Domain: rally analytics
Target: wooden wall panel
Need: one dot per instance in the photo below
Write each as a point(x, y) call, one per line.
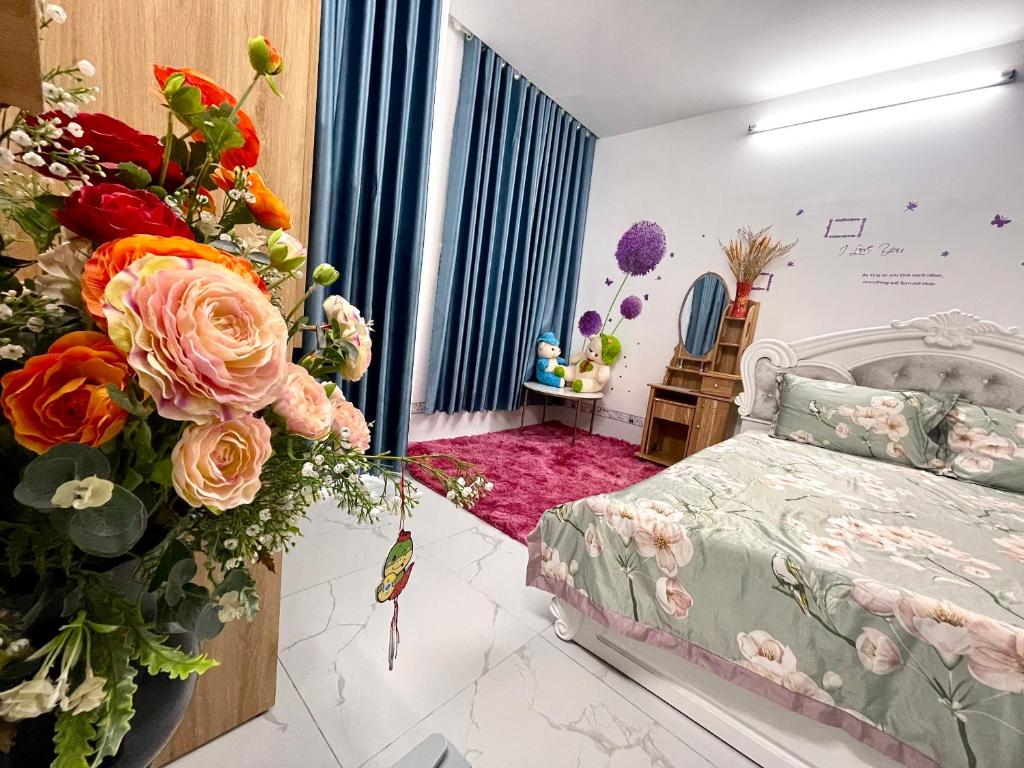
point(19, 75)
point(124, 38)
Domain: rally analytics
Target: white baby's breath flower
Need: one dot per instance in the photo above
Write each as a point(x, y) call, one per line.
point(86, 67)
point(75, 130)
point(252, 531)
point(35, 324)
point(264, 515)
point(488, 487)
point(20, 138)
point(450, 495)
point(233, 562)
point(50, 91)
point(55, 13)
point(69, 108)
point(6, 157)
point(461, 481)
point(230, 544)
point(6, 312)
point(12, 352)
point(31, 158)
point(59, 170)
point(308, 470)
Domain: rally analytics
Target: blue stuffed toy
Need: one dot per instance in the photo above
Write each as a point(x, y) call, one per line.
point(548, 360)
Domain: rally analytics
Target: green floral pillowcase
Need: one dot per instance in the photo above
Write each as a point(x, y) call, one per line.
point(876, 423)
point(986, 446)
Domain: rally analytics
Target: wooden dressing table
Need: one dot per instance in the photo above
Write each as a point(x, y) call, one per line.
point(692, 408)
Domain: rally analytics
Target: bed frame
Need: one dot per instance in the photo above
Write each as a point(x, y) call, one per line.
point(950, 351)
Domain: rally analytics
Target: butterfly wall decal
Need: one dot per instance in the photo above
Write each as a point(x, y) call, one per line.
point(1000, 221)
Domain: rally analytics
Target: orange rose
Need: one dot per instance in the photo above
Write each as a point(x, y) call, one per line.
point(61, 396)
point(110, 258)
point(268, 209)
point(213, 95)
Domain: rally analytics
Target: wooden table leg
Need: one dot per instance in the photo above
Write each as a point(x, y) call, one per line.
point(576, 421)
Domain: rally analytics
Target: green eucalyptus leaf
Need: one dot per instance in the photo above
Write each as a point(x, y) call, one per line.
point(181, 573)
point(174, 552)
point(234, 580)
point(198, 614)
point(110, 530)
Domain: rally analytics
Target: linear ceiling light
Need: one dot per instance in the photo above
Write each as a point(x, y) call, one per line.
point(911, 95)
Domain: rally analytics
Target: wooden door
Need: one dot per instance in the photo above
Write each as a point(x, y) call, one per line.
point(711, 421)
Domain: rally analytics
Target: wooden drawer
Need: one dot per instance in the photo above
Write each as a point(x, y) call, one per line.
point(671, 411)
point(722, 386)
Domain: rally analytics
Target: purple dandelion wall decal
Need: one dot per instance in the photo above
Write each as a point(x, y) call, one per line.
point(1000, 221)
point(911, 206)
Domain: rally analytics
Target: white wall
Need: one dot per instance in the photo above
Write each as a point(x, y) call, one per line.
point(961, 159)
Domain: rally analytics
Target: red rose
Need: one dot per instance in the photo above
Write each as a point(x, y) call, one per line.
point(114, 142)
point(104, 212)
point(213, 95)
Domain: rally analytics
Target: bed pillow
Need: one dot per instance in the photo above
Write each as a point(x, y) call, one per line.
point(986, 445)
point(877, 423)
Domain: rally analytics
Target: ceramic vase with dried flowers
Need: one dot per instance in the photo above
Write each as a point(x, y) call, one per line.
point(749, 253)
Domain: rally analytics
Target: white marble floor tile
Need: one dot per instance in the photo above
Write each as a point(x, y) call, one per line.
point(335, 640)
point(533, 709)
point(496, 565)
point(705, 743)
point(335, 543)
point(284, 736)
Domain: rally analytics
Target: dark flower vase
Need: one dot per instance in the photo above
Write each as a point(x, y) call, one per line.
point(160, 705)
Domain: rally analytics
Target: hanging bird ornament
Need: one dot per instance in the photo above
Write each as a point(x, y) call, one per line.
point(394, 577)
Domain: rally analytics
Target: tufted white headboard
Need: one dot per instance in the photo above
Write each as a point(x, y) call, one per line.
point(949, 351)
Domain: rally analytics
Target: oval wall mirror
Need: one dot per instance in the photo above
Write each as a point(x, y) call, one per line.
point(701, 314)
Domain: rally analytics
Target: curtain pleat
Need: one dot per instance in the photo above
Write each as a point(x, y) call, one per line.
point(518, 185)
point(706, 305)
point(374, 114)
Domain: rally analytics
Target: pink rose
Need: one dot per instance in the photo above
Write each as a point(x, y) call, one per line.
point(303, 404)
point(218, 465)
point(874, 597)
point(206, 343)
point(354, 330)
point(996, 657)
point(877, 652)
point(673, 597)
point(347, 416)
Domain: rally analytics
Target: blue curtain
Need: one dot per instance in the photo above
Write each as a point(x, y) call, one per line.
point(374, 112)
point(706, 307)
point(513, 236)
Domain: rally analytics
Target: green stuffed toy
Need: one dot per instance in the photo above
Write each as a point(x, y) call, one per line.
point(591, 367)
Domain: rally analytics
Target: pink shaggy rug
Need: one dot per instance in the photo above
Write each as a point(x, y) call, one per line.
point(538, 469)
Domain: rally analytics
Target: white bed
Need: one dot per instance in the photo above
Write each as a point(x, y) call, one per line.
point(946, 351)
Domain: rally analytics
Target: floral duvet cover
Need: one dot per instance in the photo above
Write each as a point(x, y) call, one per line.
point(874, 597)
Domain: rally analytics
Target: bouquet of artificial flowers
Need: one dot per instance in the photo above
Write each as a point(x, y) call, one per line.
point(152, 415)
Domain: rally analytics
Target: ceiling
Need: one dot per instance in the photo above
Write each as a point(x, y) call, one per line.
point(622, 65)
